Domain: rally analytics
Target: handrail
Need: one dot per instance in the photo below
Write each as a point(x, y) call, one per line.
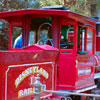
point(38, 86)
point(72, 93)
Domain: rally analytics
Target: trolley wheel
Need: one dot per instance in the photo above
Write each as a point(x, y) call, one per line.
point(66, 98)
point(76, 97)
point(63, 98)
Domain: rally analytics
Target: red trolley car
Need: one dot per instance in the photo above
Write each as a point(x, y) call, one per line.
point(57, 44)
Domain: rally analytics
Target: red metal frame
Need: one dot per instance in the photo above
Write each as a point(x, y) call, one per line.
point(81, 40)
point(94, 41)
point(85, 40)
point(56, 22)
point(10, 36)
point(25, 30)
point(75, 38)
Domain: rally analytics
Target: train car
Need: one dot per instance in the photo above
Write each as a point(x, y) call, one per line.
point(59, 45)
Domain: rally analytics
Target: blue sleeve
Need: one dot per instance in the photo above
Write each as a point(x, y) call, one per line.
point(18, 43)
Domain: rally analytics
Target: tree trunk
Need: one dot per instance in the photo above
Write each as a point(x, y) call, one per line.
point(65, 2)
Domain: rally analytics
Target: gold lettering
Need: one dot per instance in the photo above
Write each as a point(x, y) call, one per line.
point(29, 71)
point(25, 92)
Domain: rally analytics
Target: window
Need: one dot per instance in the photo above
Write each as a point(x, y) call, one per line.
point(17, 37)
point(89, 40)
point(40, 31)
point(66, 39)
point(86, 40)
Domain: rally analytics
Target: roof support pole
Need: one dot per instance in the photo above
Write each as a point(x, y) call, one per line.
point(25, 30)
point(85, 40)
point(10, 36)
point(94, 41)
point(75, 38)
point(56, 27)
point(81, 40)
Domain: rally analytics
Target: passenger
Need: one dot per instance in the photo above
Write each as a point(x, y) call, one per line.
point(18, 42)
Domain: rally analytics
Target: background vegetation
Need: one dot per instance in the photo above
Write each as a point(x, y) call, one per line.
point(86, 7)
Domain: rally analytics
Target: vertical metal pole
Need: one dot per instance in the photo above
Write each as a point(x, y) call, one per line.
point(10, 36)
point(37, 86)
point(37, 96)
point(85, 40)
point(56, 27)
point(25, 30)
point(81, 40)
point(94, 41)
point(75, 38)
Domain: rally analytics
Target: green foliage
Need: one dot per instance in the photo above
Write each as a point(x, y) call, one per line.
point(79, 6)
point(19, 4)
point(51, 2)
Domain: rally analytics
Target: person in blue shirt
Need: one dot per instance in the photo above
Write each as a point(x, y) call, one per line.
point(18, 42)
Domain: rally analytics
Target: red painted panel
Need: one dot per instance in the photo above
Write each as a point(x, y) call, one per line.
point(18, 83)
point(17, 67)
point(85, 70)
point(75, 73)
point(66, 73)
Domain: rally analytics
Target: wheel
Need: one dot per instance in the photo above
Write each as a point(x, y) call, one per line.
point(66, 98)
point(75, 97)
point(63, 98)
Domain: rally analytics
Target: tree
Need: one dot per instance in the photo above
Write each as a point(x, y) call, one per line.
point(79, 6)
point(6, 5)
point(19, 4)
